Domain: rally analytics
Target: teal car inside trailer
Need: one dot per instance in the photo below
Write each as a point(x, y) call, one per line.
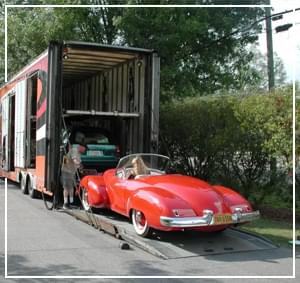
point(100, 149)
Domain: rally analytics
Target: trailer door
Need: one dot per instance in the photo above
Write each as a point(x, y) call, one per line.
point(20, 124)
point(53, 124)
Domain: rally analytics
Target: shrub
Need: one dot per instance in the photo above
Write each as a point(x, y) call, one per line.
point(232, 140)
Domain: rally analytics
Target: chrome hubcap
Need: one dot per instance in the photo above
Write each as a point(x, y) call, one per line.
point(84, 199)
point(140, 219)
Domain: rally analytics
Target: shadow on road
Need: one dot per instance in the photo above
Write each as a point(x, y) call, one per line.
point(19, 266)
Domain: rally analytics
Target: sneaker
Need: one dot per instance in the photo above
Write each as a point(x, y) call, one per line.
point(66, 206)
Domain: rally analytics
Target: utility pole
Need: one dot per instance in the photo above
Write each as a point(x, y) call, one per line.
point(271, 80)
point(271, 77)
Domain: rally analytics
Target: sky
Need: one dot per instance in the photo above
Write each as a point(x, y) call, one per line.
point(286, 44)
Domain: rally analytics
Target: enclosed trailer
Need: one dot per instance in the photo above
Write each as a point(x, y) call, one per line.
point(76, 83)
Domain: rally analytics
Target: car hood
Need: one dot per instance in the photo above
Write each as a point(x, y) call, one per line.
point(197, 193)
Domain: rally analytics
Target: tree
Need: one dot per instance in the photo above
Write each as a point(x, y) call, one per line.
point(89, 24)
point(260, 65)
point(202, 49)
point(30, 29)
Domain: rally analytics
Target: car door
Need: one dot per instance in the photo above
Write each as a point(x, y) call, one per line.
point(116, 189)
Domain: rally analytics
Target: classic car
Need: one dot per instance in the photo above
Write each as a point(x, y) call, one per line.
point(154, 199)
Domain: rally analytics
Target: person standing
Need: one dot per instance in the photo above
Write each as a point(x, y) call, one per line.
point(71, 162)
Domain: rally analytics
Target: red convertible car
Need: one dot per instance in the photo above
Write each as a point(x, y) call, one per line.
point(140, 189)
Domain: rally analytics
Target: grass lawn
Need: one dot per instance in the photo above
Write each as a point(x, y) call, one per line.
point(278, 232)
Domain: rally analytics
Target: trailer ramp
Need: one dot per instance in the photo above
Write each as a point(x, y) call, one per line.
point(181, 244)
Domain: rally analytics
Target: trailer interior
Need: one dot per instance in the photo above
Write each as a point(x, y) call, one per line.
point(109, 88)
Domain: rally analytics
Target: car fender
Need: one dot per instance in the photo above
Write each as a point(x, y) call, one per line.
point(233, 199)
point(96, 189)
point(154, 203)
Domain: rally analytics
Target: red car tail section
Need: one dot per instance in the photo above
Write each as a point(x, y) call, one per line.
point(197, 193)
point(232, 198)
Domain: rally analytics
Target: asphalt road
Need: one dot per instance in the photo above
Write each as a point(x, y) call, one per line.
point(51, 243)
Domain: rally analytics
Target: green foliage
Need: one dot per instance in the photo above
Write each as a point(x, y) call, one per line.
point(232, 139)
point(31, 29)
point(25, 45)
point(297, 141)
point(268, 120)
point(260, 65)
point(202, 49)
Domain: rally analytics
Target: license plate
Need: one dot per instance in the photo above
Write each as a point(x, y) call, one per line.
point(222, 219)
point(95, 153)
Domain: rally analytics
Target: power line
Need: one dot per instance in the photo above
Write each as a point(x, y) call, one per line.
point(242, 31)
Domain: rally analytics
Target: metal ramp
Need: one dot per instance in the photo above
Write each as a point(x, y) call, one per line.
point(173, 245)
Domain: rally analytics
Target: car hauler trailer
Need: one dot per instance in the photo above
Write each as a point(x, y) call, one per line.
point(116, 88)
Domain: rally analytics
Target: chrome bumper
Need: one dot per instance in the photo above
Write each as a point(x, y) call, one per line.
point(240, 217)
point(207, 219)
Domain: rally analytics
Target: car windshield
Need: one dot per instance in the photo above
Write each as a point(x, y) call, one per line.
point(96, 138)
point(154, 164)
point(90, 137)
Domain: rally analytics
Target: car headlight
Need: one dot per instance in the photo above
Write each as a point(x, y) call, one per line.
point(183, 212)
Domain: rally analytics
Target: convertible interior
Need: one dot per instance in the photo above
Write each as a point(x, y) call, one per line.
point(125, 173)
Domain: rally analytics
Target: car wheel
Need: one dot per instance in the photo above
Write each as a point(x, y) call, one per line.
point(84, 199)
point(140, 223)
point(23, 186)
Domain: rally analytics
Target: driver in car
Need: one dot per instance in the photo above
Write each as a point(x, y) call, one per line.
point(139, 168)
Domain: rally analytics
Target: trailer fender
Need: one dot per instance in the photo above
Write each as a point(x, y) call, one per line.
point(96, 190)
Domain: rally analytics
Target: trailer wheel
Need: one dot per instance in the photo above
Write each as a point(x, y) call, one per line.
point(32, 192)
point(23, 185)
point(140, 223)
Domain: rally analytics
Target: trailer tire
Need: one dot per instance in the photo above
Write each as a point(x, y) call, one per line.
point(31, 191)
point(23, 185)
